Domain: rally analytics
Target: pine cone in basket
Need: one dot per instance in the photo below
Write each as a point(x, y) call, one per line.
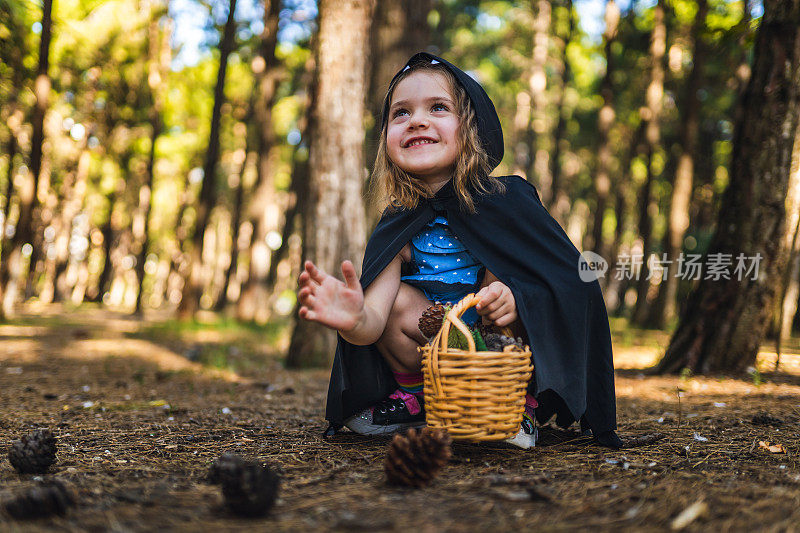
point(415, 458)
point(34, 453)
point(249, 488)
point(431, 320)
point(43, 499)
point(495, 342)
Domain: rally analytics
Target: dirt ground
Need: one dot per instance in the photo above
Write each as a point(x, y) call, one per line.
point(141, 409)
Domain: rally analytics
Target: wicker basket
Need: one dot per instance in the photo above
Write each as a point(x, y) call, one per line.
point(475, 396)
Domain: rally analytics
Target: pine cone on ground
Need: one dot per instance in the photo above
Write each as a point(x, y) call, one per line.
point(250, 489)
point(224, 468)
point(34, 453)
point(44, 499)
point(495, 342)
point(431, 320)
point(415, 458)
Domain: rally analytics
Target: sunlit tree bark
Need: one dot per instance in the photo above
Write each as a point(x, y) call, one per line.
point(334, 221)
point(785, 305)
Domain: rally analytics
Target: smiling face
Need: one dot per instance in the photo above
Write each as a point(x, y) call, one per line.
point(422, 131)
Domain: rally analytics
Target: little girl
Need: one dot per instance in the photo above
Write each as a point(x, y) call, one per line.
point(451, 229)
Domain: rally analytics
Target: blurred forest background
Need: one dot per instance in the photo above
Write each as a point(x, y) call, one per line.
point(184, 155)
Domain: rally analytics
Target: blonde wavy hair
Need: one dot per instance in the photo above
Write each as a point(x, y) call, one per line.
point(394, 186)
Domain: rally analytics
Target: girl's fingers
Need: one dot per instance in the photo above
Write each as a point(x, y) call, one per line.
point(305, 290)
point(306, 314)
point(304, 280)
point(501, 312)
point(308, 300)
point(304, 294)
point(505, 320)
point(350, 276)
point(488, 304)
point(317, 274)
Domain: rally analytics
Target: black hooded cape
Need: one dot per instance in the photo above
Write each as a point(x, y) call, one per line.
point(513, 236)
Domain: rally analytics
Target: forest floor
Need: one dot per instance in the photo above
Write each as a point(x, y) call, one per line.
point(142, 408)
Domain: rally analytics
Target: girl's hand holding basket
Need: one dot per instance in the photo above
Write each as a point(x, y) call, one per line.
point(497, 305)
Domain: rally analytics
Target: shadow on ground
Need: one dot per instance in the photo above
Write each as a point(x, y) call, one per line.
point(139, 422)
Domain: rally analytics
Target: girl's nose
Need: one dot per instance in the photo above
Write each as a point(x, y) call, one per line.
point(418, 119)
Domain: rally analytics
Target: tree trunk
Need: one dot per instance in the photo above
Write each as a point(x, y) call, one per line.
point(334, 221)
point(11, 271)
point(299, 189)
point(72, 197)
point(605, 120)
point(561, 204)
point(664, 311)
point(193, 288)
point(157, 65)
point(261, 210)
point(109, 234)
point(786, 298)
point(11, 150)
point(236, 222)
point(724, 322)
point(537, 85)
point(615, 285)
point(652, 115)
point(300, 178)
point(399, 30)
point(743, 71)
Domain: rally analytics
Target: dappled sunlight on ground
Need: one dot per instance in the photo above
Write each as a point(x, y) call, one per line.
point(141, 409)
point(636, 357)
point(142, 350)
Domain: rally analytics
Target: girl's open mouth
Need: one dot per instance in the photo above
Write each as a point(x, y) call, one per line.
point(419, 144)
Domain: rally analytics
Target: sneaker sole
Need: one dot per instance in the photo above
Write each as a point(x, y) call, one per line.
point(362, 427)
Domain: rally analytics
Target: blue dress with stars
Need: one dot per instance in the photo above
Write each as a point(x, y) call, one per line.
point(442, 267)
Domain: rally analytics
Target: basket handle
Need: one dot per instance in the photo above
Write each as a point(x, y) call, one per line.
point(454, 317)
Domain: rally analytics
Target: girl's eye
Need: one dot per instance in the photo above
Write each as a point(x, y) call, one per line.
point(435, 107)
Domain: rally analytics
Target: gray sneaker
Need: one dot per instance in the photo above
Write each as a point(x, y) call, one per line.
point(398, 412)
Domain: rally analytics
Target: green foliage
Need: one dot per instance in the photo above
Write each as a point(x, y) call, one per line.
point(99, 68)
point(456, 339)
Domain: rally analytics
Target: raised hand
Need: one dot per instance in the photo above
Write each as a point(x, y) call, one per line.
point(327, 300)
point(497, 305)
